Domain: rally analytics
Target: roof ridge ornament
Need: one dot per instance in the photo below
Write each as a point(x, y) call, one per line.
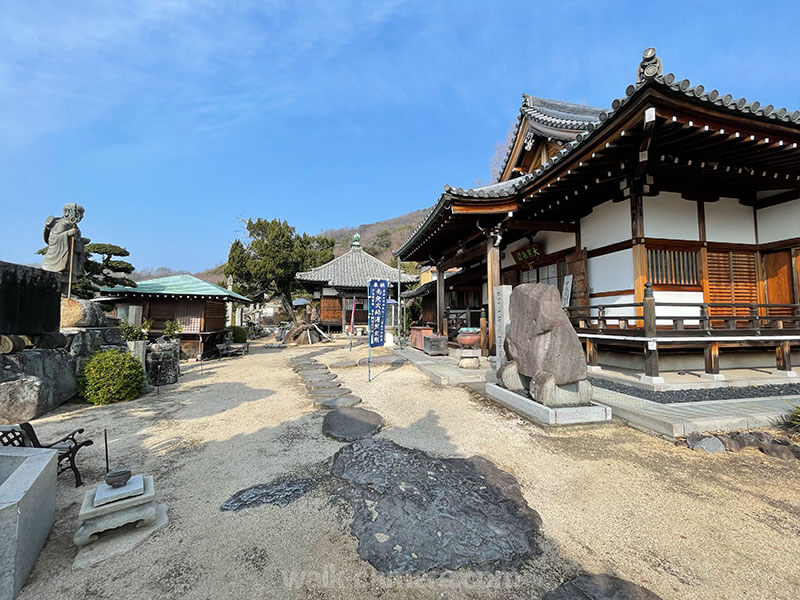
point(356, 241)
point(650, 66)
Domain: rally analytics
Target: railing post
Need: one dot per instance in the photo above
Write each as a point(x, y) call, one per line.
point(446, 321)
point(601, 318)
point(706, 322)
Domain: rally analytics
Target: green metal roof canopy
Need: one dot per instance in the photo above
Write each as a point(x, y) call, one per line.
point(177, 286)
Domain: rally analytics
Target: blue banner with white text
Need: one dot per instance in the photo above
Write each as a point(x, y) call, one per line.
point(378, 293)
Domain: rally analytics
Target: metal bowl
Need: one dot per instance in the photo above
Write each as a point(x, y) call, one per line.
point(118, 477)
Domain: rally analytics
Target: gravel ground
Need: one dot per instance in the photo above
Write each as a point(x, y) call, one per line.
point(612, 500)
point(698, 395)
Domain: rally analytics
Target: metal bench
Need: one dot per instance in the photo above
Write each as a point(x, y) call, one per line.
point(23, 435)
point(229, 350)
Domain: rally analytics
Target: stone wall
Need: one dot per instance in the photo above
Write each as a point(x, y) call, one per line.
point(163, 364)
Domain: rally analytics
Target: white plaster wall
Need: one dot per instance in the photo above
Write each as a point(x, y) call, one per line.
point(508, 258)
point(670, 216)
point(729, 221)
point(779, 222)
point(611, 272)
point(677, 311)
point(555, 241)
point(609, 223)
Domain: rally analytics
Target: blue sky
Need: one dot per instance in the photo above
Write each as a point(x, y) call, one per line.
point(170, 120)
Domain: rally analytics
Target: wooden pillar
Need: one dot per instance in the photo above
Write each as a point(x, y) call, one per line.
point(712, 358)
point(651, 349)
point(783, 353)
point(440, 291)
point(492, 281)
point(344, 313)
point(591, 353)
point(639, 251)
point(484, 334)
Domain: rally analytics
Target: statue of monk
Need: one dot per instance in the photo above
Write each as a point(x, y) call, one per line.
point(59, 233)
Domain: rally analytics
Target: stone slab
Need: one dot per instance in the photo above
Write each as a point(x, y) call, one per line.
point(27, 511)
point(90, 511)
point(338, 401)
point(459, 353)
point(599, 587)
point(322, 385)
point(568, 415)
point(105, 493)
point(351, 424)
point(119, 541)
point(316, 377)
point(329, 392)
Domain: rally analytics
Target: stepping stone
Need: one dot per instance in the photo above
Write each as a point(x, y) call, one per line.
point(280, 492)
point(317, 377)
point(299, 360)
point(384, 360)
point(338, 402)
point(314, 373)
point(318, 385)
point(351, 424)
point(344, 364)
point(329, 392)
point(308, 367)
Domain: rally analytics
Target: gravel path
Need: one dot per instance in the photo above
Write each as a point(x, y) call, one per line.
point(612, 500)
point(698, 395)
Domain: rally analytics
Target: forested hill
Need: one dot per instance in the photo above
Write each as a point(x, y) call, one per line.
point(379, 239)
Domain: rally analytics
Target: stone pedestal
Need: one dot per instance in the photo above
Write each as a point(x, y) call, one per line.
point(93, 520)
point(468, 358)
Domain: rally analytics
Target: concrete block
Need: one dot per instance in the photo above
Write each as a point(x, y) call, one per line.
point(571, 415)
point(27, 512)
point(713, 376)
point(647, 379)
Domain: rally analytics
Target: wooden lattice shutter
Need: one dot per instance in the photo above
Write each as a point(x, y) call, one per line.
point(732, 278)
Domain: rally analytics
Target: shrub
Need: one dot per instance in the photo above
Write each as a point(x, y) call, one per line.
point(131, 333)
point(792, 420)
point(172, 329)
point(111, 376)
point(239, 334)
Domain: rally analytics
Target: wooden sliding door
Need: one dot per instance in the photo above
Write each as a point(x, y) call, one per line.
point(732, 278)
point(779, 281)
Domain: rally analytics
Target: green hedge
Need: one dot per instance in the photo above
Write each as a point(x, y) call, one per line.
point(239, 334)
point(111, 376)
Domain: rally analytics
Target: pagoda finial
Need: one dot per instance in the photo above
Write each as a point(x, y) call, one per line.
point(356, 241)
point(650, 66)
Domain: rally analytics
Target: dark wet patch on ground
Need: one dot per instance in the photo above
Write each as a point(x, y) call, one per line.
point(280, 492)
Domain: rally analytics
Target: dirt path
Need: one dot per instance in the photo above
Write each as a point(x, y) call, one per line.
point(612, 500)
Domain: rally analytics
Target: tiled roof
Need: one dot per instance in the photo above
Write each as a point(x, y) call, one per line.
point(651, 77)
point(494, 190)
point(552, 118)
point(177, 285)
point(353, 269)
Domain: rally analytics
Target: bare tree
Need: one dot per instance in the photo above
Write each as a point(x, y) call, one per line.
point(500, 149)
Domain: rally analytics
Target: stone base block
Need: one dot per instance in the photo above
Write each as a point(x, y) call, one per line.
point(93, 520)
point(788, 374)
point(27, 511)
point(713, 376)
point(544, 415)
point(544, 390)
point(459, 353)
point(512, 379)
point(469, 363)
point(119, 541)
point(651, 380)
point(594, 368)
